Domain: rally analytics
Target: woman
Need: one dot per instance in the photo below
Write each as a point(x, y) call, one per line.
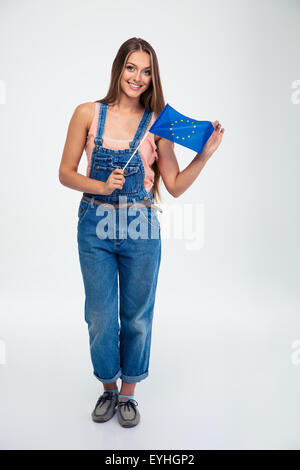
point(120, 272)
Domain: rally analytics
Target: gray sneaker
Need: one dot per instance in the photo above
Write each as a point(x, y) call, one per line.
point(105, 407)
point(128, 414)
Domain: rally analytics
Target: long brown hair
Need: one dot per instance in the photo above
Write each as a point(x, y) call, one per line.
point(152, 99)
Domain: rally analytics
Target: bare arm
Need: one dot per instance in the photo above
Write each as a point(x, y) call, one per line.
point(177, 182)
point(72, 153)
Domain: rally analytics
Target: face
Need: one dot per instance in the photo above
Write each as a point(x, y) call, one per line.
point(137, 72)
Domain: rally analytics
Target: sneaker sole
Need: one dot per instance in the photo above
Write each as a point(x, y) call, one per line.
point(128, 425)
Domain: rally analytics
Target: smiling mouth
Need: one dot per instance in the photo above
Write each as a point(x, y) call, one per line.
point(136, 87)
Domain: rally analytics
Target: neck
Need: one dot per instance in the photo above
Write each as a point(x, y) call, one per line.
point(127, 105)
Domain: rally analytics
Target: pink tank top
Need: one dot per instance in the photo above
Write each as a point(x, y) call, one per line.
point(147, 148)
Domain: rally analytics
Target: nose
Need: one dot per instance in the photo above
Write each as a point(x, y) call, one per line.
point(137, 78)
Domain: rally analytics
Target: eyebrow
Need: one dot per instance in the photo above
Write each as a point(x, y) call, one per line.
point(135, 65)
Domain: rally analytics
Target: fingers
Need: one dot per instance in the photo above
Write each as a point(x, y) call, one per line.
point(218, 128)
point(118, 182)
point(118, 173)
point(118, 170)
point(117, 178)
point(221, 129)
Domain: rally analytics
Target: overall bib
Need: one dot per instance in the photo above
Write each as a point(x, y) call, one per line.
point(105, 160)
point(120, 271)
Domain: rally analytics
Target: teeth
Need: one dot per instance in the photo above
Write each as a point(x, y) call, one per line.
point(135, 86)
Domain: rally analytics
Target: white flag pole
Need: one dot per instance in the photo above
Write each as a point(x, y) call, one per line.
point(135, 150)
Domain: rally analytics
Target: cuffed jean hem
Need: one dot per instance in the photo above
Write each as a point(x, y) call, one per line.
point(113, 379)
point(134, 378)
point(125, 378)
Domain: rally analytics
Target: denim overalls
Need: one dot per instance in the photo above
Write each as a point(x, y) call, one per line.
point(105, 160)
point(119, 272)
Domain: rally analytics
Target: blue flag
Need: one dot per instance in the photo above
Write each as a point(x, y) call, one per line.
point(181, 129)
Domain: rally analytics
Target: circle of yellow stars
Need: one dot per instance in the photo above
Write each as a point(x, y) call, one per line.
point(181, 120)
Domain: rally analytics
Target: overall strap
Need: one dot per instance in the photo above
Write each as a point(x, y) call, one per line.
point(141, 128)
point(139, 132)
point(101, 123)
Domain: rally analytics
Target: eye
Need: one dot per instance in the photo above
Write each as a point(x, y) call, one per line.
point(131, 67)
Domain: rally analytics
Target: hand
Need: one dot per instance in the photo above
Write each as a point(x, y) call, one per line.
point(115, 181)
point(214, 140)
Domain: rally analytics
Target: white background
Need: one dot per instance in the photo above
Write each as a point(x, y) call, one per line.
point(222, 372)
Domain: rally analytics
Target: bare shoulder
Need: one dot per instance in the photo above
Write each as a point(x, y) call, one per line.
point(84, 112)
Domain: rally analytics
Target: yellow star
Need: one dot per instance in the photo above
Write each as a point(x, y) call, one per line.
point(189, 136)
point(175, 121)
point(172, 134)
point(171, 129)
point(177, 137)
point(182, 138)
point(193, 131)
point(194, 126)
point(181, 119)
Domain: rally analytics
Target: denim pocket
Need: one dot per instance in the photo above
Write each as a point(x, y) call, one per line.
point(133, 179)
point(83, 209)
point(101, 170)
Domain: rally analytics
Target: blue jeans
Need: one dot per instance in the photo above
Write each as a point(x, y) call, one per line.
point(120, 275)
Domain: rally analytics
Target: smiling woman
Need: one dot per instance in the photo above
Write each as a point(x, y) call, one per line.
point(120, 272)
point(120, 265)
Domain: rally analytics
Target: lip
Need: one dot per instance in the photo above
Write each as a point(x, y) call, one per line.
point(134, 88)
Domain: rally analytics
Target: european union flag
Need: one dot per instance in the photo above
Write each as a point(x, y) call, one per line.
point(181, 129)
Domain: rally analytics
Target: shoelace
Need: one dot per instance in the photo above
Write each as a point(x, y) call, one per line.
point(129, 404)
point(104, 397)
